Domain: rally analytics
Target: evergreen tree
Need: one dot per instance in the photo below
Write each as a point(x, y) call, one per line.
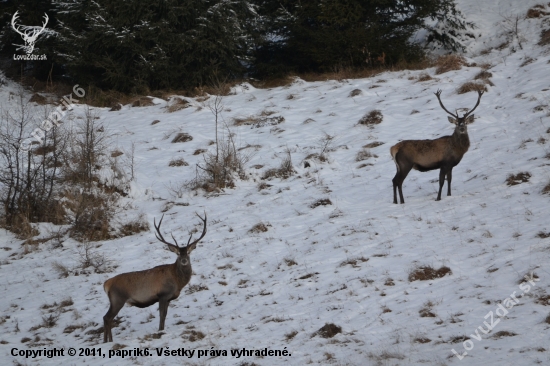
point(136, 45)
point(319, 35)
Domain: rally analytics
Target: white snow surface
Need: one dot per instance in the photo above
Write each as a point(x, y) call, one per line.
point(346, 263)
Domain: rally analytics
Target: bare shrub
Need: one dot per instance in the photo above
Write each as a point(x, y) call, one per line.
point(135, 226)
point(515, 179)
point(373, 117)
point(471, 86)
point(284, 171)
point(50, 320)
point(182, 137)
point(426, 310)
point(328, 330)
point(91, 210)
point(448, 63)
point(426, 273)
point(89, 257)
point(219, 170)
point(61, 269)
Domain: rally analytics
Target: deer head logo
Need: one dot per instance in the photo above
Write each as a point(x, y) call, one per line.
point(29, 33)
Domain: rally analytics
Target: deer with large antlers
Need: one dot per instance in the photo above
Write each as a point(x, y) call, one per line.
point(160, 284)
point(443, 153)
point(30, 35)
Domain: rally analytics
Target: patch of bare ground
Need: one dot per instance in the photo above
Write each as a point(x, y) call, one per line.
point(515, 179)
point(503, 333)
point(143, 102)
point(421, 340)
point(426, 273)
point(328, 330)
point(258, 121)
point(373, 145)
point(447, 63)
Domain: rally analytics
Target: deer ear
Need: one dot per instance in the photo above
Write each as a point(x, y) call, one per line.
point(452, 120)
point(174, 249)
point(191, 247)
point(470, 119)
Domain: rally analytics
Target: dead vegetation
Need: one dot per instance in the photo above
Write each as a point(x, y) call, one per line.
point(355, 92)
point(261, 120)
point(177, 104)
point(471, 86)
point(424, 77)
point(258, 228)
point(182, 137)
point(321, 202)
point(371, 118)
point(426, 310)
point(544, 37)
point(328, 330)
point(426, 273)
point(515, 179)
point(178, 162)
point(537, 11)
point(448, 63)
point(364, 154)
point(284, 171)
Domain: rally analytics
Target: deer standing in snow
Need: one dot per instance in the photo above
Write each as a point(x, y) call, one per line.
point(160, 284)
point(443, 153)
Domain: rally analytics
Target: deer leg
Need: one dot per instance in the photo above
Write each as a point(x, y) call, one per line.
point(163, 310)
point(449, 178)
point(400, 175)
point(114, 308)
point(442, 173)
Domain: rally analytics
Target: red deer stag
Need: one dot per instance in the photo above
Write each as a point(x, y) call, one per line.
point(443, 153)
point(160, 284)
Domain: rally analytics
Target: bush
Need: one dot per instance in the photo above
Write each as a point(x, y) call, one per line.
point(425, 273)
point(373, 117)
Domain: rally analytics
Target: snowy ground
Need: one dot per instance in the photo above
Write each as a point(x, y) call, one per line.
point(346, 263)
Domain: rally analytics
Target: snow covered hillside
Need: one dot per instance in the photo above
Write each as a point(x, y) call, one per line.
point(333, 248)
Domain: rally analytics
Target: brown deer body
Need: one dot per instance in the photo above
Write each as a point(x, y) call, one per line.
point(160, 284)
point(443, 153)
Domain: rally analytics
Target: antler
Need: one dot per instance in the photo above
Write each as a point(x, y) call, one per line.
point(480, 93)
point(203, 230)
point(437, 94)
point(15, 26)
point(159, 235)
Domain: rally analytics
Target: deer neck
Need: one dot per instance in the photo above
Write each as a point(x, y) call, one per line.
point(461, 141)
point(182, 273)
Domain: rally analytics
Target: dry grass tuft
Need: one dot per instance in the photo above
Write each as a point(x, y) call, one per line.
point(38, 99)
point(258, 121)
point(422, 340)
point(504, 333)
point(448, 63)
point(426, 273)
point(483, 75)
point(328, 330)
point(258, 228)
point(364, 154)
point(178, 162)
point(544, 37)
point(177, 104)
point(426, 311)
point(424, 77)
point(182, 137)
point(284, 171)
point(143, 102)
point(537, 11)
point(546, 189)
point(471, 86)
point(373, 145)
point(518, 178)
point(321, 202)
point(373, 117)
point(355, 92)
point(290, 336)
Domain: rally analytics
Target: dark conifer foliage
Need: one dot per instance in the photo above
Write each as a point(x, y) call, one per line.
point(140, 45)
